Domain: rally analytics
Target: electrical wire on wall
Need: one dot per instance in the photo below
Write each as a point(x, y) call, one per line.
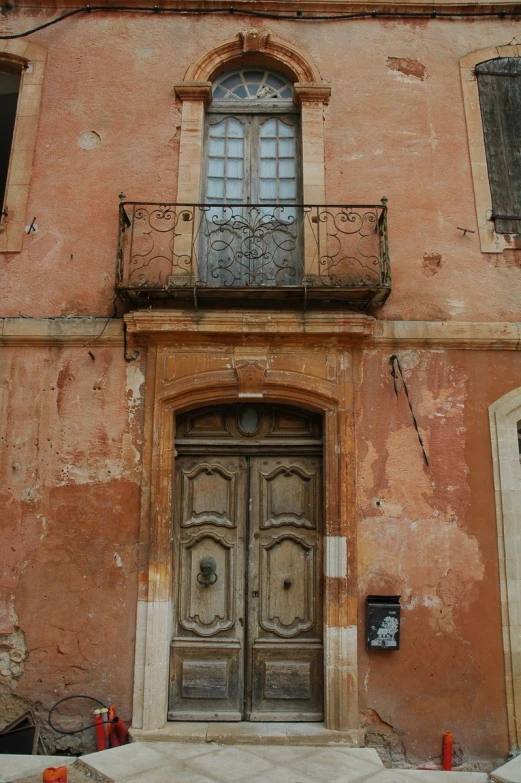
point(395, 363)
point(298, 16)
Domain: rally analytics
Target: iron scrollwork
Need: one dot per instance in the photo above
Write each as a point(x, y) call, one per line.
point(164, 248)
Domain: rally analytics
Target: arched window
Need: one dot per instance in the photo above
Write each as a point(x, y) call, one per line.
point(252, 181)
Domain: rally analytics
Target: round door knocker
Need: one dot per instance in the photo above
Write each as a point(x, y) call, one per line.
point(207, 575)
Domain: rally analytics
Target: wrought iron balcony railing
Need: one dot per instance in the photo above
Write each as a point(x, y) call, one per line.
point(241, 251)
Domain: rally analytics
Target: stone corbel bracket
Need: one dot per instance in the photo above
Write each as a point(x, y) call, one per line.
point(311, 92)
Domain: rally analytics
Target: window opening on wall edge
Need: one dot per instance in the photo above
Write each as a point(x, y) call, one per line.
point(10, 82)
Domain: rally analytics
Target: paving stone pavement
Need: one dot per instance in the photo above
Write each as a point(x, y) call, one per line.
point(180, 762)
point(509, 772)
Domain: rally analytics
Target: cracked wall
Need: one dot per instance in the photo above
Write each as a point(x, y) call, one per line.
point(70, 473)
point(429, 535)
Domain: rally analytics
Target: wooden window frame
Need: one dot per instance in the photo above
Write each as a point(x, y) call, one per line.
point(256, 110)
point(30, 58)
point(490, 240)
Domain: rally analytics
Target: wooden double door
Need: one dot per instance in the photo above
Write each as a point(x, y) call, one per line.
point(247, 548)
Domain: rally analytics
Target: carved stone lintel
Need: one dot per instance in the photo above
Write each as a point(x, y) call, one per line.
point(250, 375)
point(194, 91)
point(314, 92)
point(253, 40)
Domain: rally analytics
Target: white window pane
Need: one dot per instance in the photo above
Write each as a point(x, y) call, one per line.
point(215, 188)
point(232, 81)
point(269, 129)
point(234, 189)
point(286, 167)
point(216, 167)
point(268, 189)
point(287, 188)
point(234, 168)
point(235, 148)
point(287, 131)
point(235, 129)
point(216, 148)
point(268, 168)
point(250, 83)
point(218, 130)
point(286, 148)
point(274, 81)
point(268, 148)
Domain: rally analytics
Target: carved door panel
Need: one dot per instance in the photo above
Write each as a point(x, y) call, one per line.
point(207, 651)
point(285, 656)
point(247, 590)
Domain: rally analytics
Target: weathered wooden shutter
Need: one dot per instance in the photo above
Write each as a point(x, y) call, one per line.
point(499, 83)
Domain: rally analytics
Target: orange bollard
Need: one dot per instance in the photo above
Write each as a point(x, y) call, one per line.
point(120, 730)
point(446, 752)
point(101, 737)
point(55, 775)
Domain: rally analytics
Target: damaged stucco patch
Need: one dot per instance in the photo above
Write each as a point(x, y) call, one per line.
point(431, 264)
point(13, 652)
point(407, 66)
point(381, 735)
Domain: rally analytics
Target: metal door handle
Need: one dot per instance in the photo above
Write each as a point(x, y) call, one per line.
point(207, 575)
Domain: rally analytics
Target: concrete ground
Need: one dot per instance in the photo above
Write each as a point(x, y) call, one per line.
point(210, 762)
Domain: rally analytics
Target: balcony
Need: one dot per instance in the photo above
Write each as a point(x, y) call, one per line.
point(243, 252)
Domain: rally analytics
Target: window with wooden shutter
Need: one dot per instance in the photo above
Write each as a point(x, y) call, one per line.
point(499, 83)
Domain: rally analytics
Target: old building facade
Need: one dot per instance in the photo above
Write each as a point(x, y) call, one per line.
point(259, 362)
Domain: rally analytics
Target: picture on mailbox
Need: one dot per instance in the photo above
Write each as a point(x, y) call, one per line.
point(383, 622)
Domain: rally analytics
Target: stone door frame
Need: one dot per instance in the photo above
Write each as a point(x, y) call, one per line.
point(504, 415)
point(197, 371)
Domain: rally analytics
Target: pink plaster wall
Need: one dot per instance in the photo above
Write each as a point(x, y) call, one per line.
point(70, 472)
point(391, 129)
point(429, 535)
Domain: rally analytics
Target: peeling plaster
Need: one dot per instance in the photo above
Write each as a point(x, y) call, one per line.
point(407, 66)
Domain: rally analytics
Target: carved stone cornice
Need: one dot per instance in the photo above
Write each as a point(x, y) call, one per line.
point(41, 332)
point(194, 91)
point(161, 325)
point(164, 326)
point(311, 92)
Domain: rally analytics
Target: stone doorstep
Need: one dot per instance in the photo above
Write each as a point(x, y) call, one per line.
point(509, 772)
point(246, 733)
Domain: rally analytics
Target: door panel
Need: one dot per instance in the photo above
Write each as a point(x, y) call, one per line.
point(285, 600)
point(287, 683)
point(207, 653)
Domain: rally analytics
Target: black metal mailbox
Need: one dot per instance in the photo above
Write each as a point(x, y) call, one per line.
point(382, 622)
